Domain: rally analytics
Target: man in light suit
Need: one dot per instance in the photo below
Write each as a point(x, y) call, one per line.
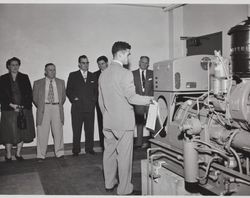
point(49, 96)
point(82, 90)
point(116, 96)
point(143, 79)
point(102, 62)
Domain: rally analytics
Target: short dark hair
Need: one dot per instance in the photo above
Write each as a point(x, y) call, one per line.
point(119, 46)
point(145, 57)
point(48, 64)
point(80, 57)
point(8, 62)
point(104, 58)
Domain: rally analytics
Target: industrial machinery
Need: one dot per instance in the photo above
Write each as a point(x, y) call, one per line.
point(203, 128)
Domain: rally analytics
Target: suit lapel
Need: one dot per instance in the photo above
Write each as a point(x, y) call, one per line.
point(139, 81)
point(59, 90)
point(80, 77)
point(147, 83)
point(8, 88)
point(87, 79)
point(43, 88)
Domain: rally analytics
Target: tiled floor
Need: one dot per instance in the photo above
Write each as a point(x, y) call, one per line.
point(80, 175)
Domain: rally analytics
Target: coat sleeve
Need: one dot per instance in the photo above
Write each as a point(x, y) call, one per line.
point(128, 87)
point(35, 93)
point(100, 97)
point(27, 102)
point(1, 95)
point(95, 88)
point(63, 92)
point(70, 88)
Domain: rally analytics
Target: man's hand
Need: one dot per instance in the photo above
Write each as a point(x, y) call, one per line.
point(15, 107)
point(153, 101)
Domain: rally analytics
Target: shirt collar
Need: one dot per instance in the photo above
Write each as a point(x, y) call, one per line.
point(83, 72)
point(48, 79)
point(142, 70)
point(119, 62)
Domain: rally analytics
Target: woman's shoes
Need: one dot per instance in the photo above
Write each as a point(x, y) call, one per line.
point(19, 158)
point(8, 159)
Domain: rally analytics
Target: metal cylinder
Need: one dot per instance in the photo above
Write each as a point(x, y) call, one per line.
point(240, 49)
point(190, 161)
point(241, 141)
point(224, 85)
point(216, 86)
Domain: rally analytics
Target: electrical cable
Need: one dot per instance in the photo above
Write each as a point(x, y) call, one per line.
point(237, 158)
point(207, 168)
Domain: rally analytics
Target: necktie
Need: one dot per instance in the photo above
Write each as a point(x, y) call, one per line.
point(143, 80)
point(51, 92)
point(85, 77)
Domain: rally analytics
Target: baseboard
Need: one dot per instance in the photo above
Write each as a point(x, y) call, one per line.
point(30, 152)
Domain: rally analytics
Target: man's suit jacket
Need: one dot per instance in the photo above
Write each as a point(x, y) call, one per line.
point(39, 98)
point(6, 93)
point(149, 88)
point(86, 92)
point(116, 96)
point(97, 74)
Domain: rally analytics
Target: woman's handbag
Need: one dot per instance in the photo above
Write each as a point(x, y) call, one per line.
point(21, 120)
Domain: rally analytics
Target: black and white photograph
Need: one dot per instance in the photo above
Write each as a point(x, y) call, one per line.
point(124, 98)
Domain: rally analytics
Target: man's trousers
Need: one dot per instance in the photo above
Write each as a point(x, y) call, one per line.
point(78, 118)
point(118, 153)
point(51, 120)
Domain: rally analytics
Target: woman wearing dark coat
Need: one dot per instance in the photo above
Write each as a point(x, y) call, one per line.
point(15, 94)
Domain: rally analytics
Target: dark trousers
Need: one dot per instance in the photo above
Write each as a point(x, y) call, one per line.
point(140, 122)
point(78, 118)
point(100, 125)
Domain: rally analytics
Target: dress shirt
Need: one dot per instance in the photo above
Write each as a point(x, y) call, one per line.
point(84, 75)
point(47, 82)
point(143, 89)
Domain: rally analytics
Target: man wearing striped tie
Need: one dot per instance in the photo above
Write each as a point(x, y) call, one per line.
point(49, 96)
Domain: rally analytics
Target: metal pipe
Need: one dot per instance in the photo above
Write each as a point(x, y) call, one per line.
point(148, 161)
point(209, 145)
point(215, 151)
point(152, 178)
point(247, 165)
point(190, 161)
point(232, 180)
point(237, 158)
point(207, 168)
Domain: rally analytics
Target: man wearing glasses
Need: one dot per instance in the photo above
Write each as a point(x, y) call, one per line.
point(82, 93)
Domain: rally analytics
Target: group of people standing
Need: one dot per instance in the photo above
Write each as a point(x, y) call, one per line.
point(119, 90)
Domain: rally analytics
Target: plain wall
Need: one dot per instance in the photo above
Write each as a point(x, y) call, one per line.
point(39, 34)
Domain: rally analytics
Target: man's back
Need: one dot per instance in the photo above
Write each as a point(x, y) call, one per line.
point(118, 113)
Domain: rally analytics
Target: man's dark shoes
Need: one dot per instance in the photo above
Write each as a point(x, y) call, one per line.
point(61, 157)
point(8, 159)
point(40, 160)
point(91, 152)
point(75, 154)
point(137, 147)
point(19, 158)
point(111, 189)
